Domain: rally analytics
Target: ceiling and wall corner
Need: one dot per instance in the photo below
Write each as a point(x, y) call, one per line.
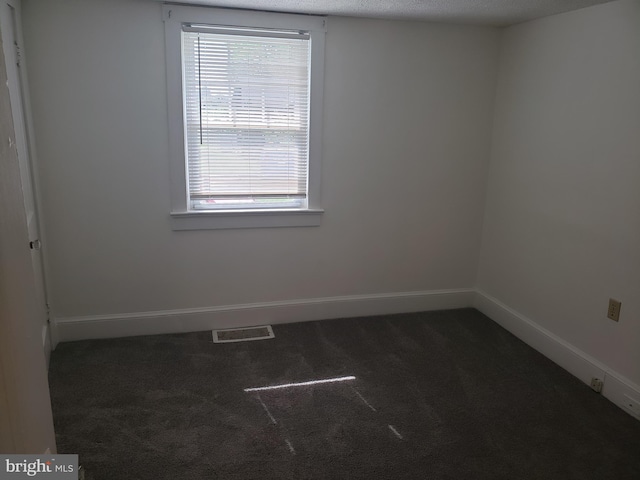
point(495, 13)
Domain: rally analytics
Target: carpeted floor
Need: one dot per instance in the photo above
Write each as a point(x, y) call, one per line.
point(438, 395)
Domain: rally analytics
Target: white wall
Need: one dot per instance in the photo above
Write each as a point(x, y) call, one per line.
point(562, 223)
point(406, 146)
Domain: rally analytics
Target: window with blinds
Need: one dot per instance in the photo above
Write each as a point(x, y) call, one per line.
point(246, 99)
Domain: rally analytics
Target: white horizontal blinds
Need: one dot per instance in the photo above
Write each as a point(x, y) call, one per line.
point(247, 118)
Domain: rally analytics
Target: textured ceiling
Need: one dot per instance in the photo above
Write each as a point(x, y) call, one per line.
point(483, 12)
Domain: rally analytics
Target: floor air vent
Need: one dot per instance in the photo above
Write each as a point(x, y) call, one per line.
point(242, 334)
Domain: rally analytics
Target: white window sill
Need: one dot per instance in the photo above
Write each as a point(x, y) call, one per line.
point(210, 220)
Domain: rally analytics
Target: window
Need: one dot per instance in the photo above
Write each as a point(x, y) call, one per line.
point(245, 117)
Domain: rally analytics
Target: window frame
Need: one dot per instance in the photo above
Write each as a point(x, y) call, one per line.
point(182, 218)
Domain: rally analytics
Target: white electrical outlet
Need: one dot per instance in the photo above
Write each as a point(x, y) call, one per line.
point(596, 384)
point(632, 404)
point(614, 310)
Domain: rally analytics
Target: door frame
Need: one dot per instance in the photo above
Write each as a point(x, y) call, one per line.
point(22, 101)
point(25, 408)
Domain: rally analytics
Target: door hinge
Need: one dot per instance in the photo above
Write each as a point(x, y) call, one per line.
point(18, 54)
point(48, 312)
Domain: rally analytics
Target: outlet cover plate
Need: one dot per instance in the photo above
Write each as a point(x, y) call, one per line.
point(614, 309)
point(632, 404)
point(596, 384)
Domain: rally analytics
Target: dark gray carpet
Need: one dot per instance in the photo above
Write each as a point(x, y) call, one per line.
point(469, 400)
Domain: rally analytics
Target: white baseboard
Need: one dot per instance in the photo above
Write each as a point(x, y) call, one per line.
point(247, 315)
point(575, 361)
point(616, 387)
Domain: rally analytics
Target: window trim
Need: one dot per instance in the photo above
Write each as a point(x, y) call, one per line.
point(181, 217)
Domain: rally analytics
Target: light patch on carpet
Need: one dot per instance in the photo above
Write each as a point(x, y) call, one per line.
point(266, 409)
point(289, 444)
point(301, 384)
point(364, 400)
point(395, 432)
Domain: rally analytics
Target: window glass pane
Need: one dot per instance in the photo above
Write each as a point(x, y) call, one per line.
point(247, 120)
